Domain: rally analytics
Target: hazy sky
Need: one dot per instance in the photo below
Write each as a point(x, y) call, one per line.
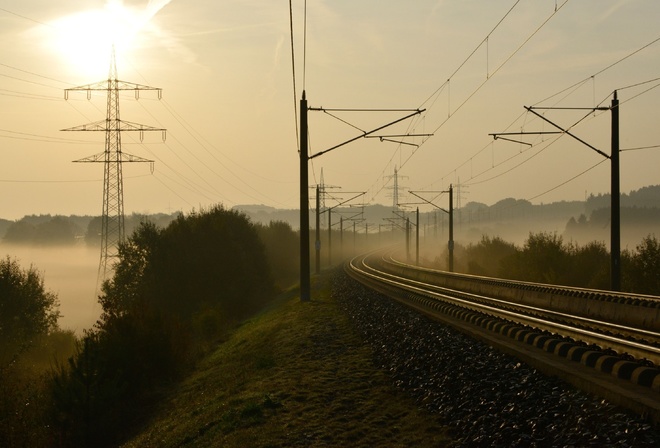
point(228, 101)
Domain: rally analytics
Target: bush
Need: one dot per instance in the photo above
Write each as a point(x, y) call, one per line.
point(27, 310)
point(590, 266)
point(543, 259)
point(174, 292)
point(644, 267)
point(28, 341)
point(282, 246)
point(485, 258)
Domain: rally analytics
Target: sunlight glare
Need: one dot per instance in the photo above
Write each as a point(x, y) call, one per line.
point(84, 40)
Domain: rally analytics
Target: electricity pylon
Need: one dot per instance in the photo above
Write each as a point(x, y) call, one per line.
point(112, 216)
point(395, 188)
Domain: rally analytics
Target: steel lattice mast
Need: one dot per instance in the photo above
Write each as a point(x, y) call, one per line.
point(112, 216)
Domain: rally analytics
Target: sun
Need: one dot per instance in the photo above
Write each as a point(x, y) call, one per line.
point(83, 41)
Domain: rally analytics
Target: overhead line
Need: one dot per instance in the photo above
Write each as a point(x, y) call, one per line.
point(451, 113)
point(32, 73)
point(473, 52)
point(26, 18)
point(567, 181)
point(601, 71)
point(563, 91)
point(293, 69)
point(30, 82)
point(189, 129)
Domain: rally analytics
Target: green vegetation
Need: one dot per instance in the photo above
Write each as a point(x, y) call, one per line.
point(47, 230)
point(167, 362)
point(51, 231)
point(296, 375)
point(546, 258)
point(175, 293)
point(282, 251)
point(29, 342)
point(27, 310)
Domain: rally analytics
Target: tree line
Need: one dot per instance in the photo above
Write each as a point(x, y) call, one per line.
point(547, 258)
point(175, 293)
point(45, 230)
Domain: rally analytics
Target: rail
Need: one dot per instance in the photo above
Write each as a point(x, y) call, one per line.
point(604, 329)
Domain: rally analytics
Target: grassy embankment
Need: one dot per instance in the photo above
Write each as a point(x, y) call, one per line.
point(296, 375)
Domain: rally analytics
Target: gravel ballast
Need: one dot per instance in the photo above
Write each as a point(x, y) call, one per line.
point(488, 398)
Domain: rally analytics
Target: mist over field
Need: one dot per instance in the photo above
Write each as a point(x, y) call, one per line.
point(66, 250)
point(68, 271)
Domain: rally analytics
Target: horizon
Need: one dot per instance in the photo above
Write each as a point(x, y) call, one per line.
point(230, 108)
point(238, 206)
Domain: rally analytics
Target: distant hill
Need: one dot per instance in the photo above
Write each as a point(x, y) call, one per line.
point(511, 219)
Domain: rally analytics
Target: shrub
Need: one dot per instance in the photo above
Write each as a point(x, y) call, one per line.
point(174, 290)
point(485, 258)
point(27, 310)
point(282, 246)
point(644, 267)
point(28, 328)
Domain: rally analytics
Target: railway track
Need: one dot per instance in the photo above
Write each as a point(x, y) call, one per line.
point(602, 342)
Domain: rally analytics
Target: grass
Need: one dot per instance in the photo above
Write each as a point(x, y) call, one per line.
point(296, 375)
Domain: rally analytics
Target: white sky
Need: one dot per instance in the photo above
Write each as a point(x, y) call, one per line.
point(228, 102)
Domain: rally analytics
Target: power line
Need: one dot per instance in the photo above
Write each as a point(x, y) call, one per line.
point(60, 181)
point(579, 83)
point(30, 82)
point(41, 138)
point(465, 61)
point(29, 96)
point(205, 144)
point(304, 45)
point(25, 17)
point(571, 88)
point(478, 88)
point(56, 139)
point(32, 73)
point(568, 180)
point(293, 69)
point(640, 148)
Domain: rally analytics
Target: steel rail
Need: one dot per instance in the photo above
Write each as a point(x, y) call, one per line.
point(522, 284)
point(636, 349)
point(636, 333)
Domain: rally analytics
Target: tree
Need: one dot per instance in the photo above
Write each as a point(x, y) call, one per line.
point(209, 259)
point(20, 232)
point(485, 258)
point(93, 233)
point(543, 259)
point(27, 310)
point(172, 290)
point(282, 248)
point(59, 230)
point(644, 267)
point(42, 230)
point(591, 266)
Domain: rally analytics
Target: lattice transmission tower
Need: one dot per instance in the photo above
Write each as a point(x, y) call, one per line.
point(395, 188)
point(112, 216)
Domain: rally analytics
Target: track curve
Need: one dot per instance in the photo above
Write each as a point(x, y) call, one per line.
point(618, 339)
